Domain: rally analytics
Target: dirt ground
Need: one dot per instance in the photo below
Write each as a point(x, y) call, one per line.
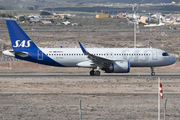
point(116, 97)
point(103, 98)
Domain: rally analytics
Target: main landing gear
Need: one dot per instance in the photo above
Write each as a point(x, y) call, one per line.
point(95, 73)
point(152, 71)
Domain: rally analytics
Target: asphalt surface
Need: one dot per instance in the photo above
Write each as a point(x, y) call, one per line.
point(86, 76)
point(97, 94)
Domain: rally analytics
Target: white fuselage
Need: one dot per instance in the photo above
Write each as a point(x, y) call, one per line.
point(138, 57)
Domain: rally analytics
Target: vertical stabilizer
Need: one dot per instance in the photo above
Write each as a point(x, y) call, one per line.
point(19, 39)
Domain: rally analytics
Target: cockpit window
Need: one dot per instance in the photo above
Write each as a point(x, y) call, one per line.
point(165, 54)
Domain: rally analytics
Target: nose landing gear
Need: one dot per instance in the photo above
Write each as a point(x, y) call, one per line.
point(152, 71)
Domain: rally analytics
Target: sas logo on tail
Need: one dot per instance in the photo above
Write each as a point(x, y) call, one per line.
point(22, 44)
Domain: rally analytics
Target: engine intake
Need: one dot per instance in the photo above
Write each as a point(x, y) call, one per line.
point(118, 67)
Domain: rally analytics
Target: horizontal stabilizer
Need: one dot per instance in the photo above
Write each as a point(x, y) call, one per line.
point(13, 53)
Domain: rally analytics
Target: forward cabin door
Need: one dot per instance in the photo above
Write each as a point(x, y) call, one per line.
point(154, 55)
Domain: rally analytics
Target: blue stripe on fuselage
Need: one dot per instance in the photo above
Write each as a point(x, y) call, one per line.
point(33, 57)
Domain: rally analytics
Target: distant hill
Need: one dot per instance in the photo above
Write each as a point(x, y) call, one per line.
point(125, 1)
point(41, 4)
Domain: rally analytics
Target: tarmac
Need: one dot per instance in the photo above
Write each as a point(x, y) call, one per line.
point(88, 76)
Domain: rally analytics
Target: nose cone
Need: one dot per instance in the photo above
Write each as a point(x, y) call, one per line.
point(173, 60)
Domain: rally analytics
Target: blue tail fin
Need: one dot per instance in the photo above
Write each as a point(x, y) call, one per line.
point(20, 41)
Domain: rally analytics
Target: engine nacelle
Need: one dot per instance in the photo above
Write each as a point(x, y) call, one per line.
point(118, 67)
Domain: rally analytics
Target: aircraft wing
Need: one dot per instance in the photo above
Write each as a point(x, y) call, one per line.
point(98, 61)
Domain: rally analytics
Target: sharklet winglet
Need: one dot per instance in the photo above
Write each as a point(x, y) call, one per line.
point(82, 48)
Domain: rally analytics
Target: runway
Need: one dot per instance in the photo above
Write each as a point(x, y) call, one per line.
point(86, 76)
point(88, 94)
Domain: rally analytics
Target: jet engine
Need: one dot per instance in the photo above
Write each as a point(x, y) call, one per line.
point(118, 67)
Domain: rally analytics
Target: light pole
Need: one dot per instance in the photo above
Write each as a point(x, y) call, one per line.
point(135, 8)
point(148, 42)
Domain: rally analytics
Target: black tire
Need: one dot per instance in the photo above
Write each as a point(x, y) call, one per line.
point(97, 73)
point(153, 73)
point(92, 72)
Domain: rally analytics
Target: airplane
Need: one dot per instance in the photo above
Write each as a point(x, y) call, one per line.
point(66, 23)
point(110, 60)
point(154, 25)
point(74, 24)
point(168, 22)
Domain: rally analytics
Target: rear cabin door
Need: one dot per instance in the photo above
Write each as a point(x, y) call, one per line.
point(40, 55)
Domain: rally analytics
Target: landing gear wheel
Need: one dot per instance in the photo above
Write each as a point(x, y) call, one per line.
point(153, 73)
point(97, 73)
point(92, 72)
